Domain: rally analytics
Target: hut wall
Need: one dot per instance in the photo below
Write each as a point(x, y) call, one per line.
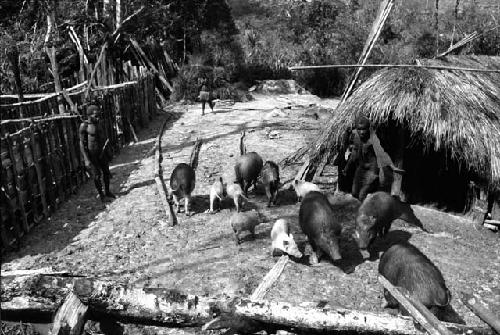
point(41, 164)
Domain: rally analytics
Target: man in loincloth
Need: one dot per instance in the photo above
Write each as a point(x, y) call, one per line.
point(94, 146)
point(206, 96)
point(373, 166)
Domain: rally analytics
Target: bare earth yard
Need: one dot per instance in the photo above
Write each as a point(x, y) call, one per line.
point(129, 238)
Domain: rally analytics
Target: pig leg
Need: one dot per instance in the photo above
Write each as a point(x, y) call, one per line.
point(252, 231)
point(237, 203)
point(187, 199)
point(212, 200)
point(176, 202)
point(269, 195)
point(236, 237)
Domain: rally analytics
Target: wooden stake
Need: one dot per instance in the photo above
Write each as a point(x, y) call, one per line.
point(20, 202)
point(38, 169)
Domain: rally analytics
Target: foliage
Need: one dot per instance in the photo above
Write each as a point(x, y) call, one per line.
point(331, 32)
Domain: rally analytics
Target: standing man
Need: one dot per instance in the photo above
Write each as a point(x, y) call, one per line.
point(94, 148)
point(373, 166)
point(206, 96)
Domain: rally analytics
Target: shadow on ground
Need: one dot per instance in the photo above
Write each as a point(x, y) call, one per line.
point(81, 208)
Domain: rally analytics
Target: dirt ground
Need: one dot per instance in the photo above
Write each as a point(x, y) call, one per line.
point(129, 239)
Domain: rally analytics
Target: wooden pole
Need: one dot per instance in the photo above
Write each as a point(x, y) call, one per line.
point(13, 56)
point(409, 66)
point(50, 49)
point(163, 189)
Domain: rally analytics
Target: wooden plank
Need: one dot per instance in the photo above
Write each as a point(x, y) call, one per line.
point(38, 169)
point(20, 203)
point(477, 306)
point(70, 318)
point(418, 311)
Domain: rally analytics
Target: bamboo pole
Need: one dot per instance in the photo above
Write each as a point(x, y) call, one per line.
point(410, 66)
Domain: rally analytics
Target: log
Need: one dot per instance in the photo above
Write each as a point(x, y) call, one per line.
point(269, 279)
point(476, 305)
point(418, 311)
point(70, 318)
point(171, 308)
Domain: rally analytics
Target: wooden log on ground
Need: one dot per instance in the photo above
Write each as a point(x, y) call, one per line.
point(477, 306)
point(70, 318)
point(270, 278)
point(171, 308)
point(418, 311)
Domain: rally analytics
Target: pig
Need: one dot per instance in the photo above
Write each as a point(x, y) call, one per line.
point(271, 179)
point(282, 240)
point(247, 170)
point(235, 192)
point(302, 187)
point(182, 182)
point(217, 192)
point(376, 214)
point(317, 221)
point(405, 266)
point(244, 221)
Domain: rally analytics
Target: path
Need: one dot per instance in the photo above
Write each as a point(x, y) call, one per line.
point(129, 240)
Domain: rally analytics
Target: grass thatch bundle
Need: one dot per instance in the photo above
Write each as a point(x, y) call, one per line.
point(454, 110)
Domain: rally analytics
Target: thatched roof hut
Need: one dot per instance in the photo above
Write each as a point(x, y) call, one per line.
point(451, 116)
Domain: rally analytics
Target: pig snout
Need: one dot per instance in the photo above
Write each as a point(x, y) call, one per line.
point(335, 251)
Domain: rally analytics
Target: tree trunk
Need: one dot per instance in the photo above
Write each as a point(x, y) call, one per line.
point(50, 40)
point(31, 294)
point(13, 56)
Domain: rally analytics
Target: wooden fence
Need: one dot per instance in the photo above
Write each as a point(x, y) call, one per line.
point(41, 165)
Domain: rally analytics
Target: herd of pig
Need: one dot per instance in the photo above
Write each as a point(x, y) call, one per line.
point(402, 263)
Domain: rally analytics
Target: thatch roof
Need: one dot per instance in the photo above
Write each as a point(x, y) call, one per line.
point(454, 110)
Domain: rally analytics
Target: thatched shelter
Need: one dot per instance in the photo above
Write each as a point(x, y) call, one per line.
point(442, 126)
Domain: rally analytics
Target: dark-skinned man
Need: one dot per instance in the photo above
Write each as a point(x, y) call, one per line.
point(93, 145)
point(373, 166)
